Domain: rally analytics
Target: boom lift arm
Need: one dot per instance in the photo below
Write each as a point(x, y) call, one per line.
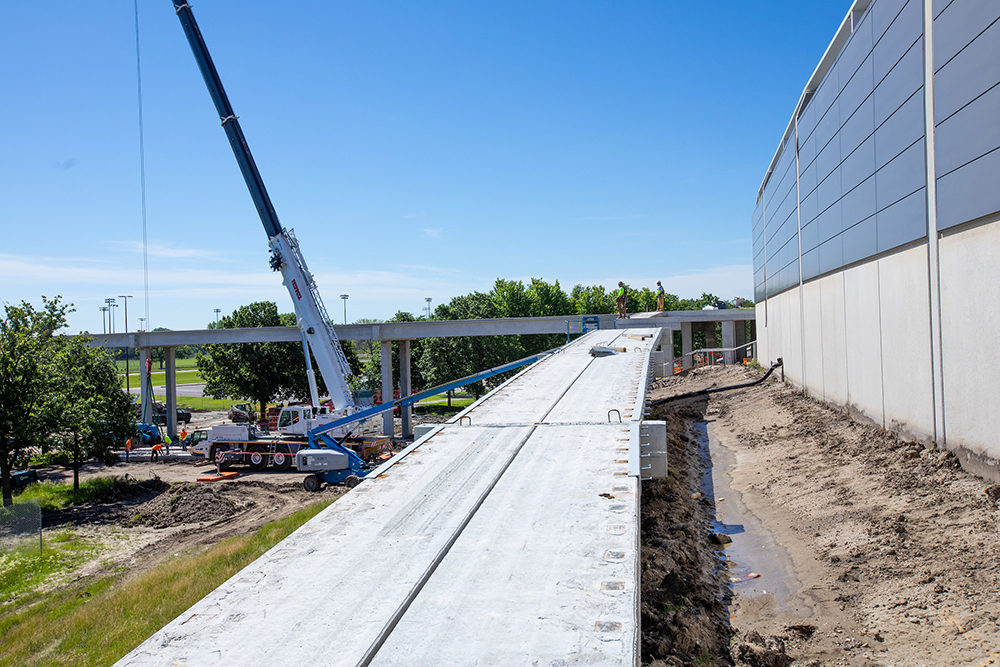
point(286, 257)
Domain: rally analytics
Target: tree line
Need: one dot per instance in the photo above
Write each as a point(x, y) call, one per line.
point(56, 391)
point(439, 360)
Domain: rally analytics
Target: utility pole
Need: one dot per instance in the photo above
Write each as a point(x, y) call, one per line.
point(345, 297)
point(128, 386)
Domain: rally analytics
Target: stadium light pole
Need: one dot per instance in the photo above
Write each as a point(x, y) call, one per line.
point(111, 314)
point(345, 297)
point(217, 311)
point(104, 320)
point(428, 300)
point(128, 387)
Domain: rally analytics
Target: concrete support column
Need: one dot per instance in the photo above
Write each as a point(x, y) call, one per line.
point(404, 386)
point(668, 353)
point(171, 421)
point(729, 339)
point(740, 338)
point(386, 345)
point(687, 343)
point(146, 416)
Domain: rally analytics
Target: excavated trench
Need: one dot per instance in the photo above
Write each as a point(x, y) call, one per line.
point(702, 549)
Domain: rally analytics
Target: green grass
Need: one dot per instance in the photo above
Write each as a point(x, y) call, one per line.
point(160, 379)
point(438, 404)
point(27, 566)
point(133, 364)
point(201, 403)
point(96, 621)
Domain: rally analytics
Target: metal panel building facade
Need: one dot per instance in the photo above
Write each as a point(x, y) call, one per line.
point(877, 221)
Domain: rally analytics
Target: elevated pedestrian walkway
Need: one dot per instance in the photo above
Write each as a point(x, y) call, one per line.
point(508, 536)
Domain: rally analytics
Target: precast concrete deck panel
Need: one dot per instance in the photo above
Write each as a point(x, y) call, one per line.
point(546, 571)
point(506, 542)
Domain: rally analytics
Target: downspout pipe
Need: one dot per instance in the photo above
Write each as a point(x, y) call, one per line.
point(713, 390)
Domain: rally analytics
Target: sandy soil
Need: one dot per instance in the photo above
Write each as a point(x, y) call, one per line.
point(892, 547)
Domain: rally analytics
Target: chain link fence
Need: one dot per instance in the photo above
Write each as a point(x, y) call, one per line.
point(20, 523)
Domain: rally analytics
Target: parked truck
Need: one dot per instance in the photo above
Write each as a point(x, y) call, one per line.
point(227, 444)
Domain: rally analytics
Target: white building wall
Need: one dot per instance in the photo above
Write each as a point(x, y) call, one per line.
point(904, 304)
point(812, 319)
point(835, 385)
point(864, 341)
point(910, 88)
point(970, 298)
point(868, 341)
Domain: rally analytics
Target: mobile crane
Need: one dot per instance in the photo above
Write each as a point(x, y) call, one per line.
point(317, 330)
point(323, 454)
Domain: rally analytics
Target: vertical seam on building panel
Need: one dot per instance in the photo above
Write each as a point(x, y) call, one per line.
point(798, 238)
point(881, 353)
point(763, 223)
point(933, 258)
point(847, 347)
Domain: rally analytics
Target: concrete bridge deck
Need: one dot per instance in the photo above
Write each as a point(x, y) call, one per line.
point(508, 536)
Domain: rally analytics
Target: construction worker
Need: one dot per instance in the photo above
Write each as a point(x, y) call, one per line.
point(620, 300)
point(155, 454)
point(659, 296)
point(184, 435)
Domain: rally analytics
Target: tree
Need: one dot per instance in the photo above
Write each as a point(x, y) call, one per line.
point(158, 354)
point(262, 372)
point(370, 376)
point(86, 411)
point(592, 300)
point(446, 359)
point(25, 335)
point(258, 371)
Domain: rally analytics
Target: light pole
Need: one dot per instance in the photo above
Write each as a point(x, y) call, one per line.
point(111, 314)
point(142, 325)
point(428, 300)
point(128, 387)
point(104, 320)
point(217, 311)
point(345, 297)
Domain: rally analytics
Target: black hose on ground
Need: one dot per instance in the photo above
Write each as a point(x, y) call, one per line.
point(713, 390)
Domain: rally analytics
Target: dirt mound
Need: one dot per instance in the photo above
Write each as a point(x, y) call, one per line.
point(115, 496)
point(188, 502)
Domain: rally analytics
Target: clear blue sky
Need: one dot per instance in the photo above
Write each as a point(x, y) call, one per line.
point(418, 149)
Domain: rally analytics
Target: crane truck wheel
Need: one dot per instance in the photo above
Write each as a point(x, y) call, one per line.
point(282, 459)
point(257, 458)
point(352, 481)
point(311, 483)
